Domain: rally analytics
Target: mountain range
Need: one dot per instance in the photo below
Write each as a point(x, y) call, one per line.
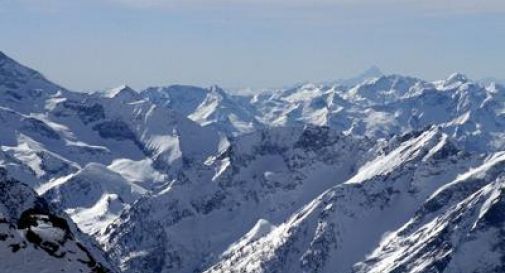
point(378, 173)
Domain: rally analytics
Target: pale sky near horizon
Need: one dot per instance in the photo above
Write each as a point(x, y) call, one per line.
point(94, 44)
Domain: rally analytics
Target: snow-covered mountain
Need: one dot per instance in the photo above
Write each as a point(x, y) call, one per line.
point(92, 205)
point(35, 238)
point(267, 175)
point(378, 173)
point(389, 105)
point(459, 228)
point(66, 144)
point(372, 72)
point(344, 224)
point(207, 106)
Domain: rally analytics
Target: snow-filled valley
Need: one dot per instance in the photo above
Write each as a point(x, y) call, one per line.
point(378, 173)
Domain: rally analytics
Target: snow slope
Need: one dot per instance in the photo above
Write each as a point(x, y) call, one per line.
point(92, 197)
point(33, 238)
point(458, 229)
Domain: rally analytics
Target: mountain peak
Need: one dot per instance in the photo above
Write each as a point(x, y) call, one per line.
point(372, 71)
point(123, 87)
point(122, 90)
point(456, 77)
point(217, 89)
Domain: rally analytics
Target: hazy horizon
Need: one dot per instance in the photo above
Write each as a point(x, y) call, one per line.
point(90, 45)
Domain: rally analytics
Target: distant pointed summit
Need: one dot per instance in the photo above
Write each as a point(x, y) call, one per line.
point(218, 90)
point(455, 79)
point(370, 73)
point(123, 92)
point(121, 88)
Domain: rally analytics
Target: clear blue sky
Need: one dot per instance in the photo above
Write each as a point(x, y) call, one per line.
point(93, 44)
